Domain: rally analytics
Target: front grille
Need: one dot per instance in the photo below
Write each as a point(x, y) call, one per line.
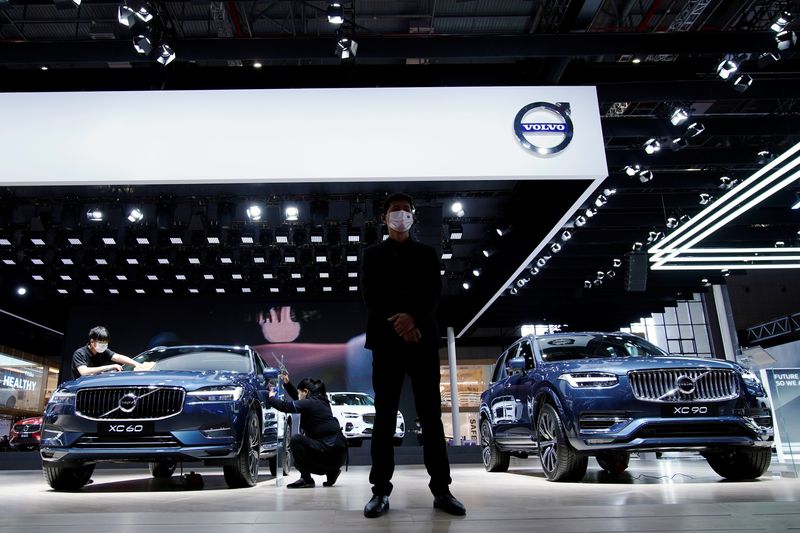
point(152, 403)
point(369, 419)
point(665, 431)
point(27, 428)
point(126, 441)
point(684, 385)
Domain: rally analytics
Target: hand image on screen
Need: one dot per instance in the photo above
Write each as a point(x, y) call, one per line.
point(278, 325)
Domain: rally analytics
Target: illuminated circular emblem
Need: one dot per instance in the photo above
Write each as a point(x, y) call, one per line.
point(685, 384)
point(128, 402)
point(544, 128)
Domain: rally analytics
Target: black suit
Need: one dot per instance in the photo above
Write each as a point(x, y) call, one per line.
point(404, 278)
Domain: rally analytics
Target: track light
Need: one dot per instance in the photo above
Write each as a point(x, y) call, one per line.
point(542, 261)
point(632, 170)
point(566, 235)
point(672, 222)
point(580, 221)
point(609, 192)
point(786, 40)
point(142, 44)
point(616, 263)
point(166, 54)
point(767, 58)
point(695, 129)
point(534, 271)
point(590, 212)
point(488, 252)
point(476, 272)
point(637, 246)
point(601, 200)
point(652, 146)
point(457, 209)
point(22, 291)
point(726, 68)
point(127, 15)
point(135, 215)
point(784, 20)
point(742, 82)
point(555, 247)
point(346, 48)
point(94, 215)
point(587, 284)
point(292, 213)
point(678, 143)
point(600, 274)
point(679, 116)
point(705, 198)
point(503, 231)
point(335, 13)
point(654, 236)
point(465, 285)
point(254, 213)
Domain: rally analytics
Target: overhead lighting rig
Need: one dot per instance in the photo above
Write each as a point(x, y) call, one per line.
point(149, 30)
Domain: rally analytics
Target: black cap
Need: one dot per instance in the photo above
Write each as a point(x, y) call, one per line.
point(395, 197)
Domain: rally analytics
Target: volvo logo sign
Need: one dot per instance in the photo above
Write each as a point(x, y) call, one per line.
point(544, 128)
point(685, 384)
point(128, 402)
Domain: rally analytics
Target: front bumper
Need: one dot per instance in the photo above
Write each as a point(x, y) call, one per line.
point(24, 442)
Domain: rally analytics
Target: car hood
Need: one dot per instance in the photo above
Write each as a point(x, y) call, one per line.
point(190, 380)
point(360, 409)
point(623, 365)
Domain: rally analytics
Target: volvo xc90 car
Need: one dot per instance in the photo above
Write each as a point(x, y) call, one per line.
point(569, 396)
point(195, 403)
point(355, 412)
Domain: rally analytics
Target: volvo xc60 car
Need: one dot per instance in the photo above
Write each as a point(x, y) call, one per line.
point(569, 396)
point(195, 403)
point(355, 412)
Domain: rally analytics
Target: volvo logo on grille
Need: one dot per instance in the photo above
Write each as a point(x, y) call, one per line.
point(538, 132)
point(128, 402)
point(685, 384)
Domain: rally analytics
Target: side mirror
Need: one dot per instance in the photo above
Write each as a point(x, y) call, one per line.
point(515, 365)
point(271, 373)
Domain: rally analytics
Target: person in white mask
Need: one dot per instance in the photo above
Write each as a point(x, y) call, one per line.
point(401, 288)
point(95, 357)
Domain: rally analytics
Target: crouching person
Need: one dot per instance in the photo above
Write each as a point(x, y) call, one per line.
point(321, 448)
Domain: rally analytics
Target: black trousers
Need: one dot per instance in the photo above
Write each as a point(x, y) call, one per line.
point(389, 368)
point(312, 456)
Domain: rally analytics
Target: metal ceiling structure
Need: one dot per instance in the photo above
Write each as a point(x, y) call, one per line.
point(646, 58)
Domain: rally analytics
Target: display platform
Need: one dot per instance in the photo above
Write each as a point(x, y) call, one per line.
point(654, 495)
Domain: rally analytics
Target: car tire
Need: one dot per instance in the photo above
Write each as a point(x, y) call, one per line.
point(67, 477)
point(244, 470)
point(493, 459)
point(615, 463)
point(560, 461)
point(162, 469)
point(286, 452)
point(738, 464)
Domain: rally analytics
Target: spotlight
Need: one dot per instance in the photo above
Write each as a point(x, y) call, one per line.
point(465, 285)
point(335, 13)
point(292, 213)
point(645, 176)
point(679, 116)
point(126, 16)
point(476, 272)
point(534, 271)
point(725, 272)
point(542, 261)
point(257, 64)
point(513, 291)
point(654, 236)
point(652, 146)
point(726, 69)
point(764, 157)
point(786, 40)
point(637, 246)
point(767, 58)
point(254, 213)
point(587, 284)
point(555, 248)
point(135, 215)
point(784, 20)
point(611, 273)
point(780, 244)
point(590, 212)
point(94, 215)
point(742, 82)
point(22, 291)
point(601, 200)
point(488, 252)
point(705, 198)
point(695, 129)
point(672, 222)
point(705, 282)
point(600, 274)
point(346, 48)
point(616, 263)
point(166, 54)
point(580, 221)
point(503, 231)
point(566, 235)
point(632, 170)
point(684, 219)
point(457, 208)
point(678, 143)
point(598, 282)
point(522, 282)
point(609, 192)
point(142, 44)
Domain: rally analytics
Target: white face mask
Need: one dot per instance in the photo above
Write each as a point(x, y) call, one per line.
point(100, 347)
point(400, 221)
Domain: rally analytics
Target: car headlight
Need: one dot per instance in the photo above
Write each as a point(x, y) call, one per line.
point(62, 397)
point(590, 380)
point(351, 415)
point(751, 377)
point(216, 394)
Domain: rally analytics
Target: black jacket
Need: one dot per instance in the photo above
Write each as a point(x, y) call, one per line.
point(400, 278)
point(316, 420)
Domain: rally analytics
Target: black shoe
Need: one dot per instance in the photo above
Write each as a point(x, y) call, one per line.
point(449, 504)
point(301, 484)
point(376, 506)
point(332, 477)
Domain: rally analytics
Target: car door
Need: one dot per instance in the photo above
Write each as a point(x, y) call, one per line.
point(522, 386)
point(502, 403)
point(269, 423)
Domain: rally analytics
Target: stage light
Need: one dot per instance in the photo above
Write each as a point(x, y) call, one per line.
point(457, 208)
point(632, 170)
point(611, 273)
point(679, 115)
point(502, 231)
point(780, 244)
point(679, 143)
point(22, 291)
point(695, 129)
point(476, 272)
point(335, 13)
point(727, 68)
point(555, 247)
point(346, 48)
point(672, 222)
point(94, 215)
point(705, 198)
point(742, 82)
point(783, 20)
point(600, 274)
point(654, 236)
point(601, 200)
point(786, 40)
point(580, 221)
point(645, 176)
point(764, 157)
point(254, 213)
point(616, 263)
point(466, 285)
point(166, 54)
point(513, 291)
point(534, 271)
point(142, 44)
point(488, 252)
point(767, 58)
point(651, 146)
point(566, 235)
point(587, 284)
point(609, 192)
point(135, 215)
point(292, 213)
point(590, 212)
point(637, 246)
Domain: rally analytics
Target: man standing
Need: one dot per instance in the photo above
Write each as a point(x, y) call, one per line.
point(95, 357)
point(401, 287)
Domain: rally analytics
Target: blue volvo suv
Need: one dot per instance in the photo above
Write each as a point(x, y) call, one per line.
point(195, 403)
point(569, 396)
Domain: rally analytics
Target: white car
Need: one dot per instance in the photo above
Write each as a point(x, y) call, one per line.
point(355, 412)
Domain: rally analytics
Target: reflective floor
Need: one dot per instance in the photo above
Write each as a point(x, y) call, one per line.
point(653, 496)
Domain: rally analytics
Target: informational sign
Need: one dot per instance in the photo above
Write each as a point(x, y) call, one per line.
point(783, 387)
point(309, 135)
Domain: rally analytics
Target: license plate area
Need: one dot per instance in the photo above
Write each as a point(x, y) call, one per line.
point(125, 428)
point(689, 410)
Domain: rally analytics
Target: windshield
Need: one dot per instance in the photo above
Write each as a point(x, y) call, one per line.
point(351, 399)
point(200, 361)
point(566, 347)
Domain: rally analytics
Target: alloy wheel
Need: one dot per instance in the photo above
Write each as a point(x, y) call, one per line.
point(548, 445)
